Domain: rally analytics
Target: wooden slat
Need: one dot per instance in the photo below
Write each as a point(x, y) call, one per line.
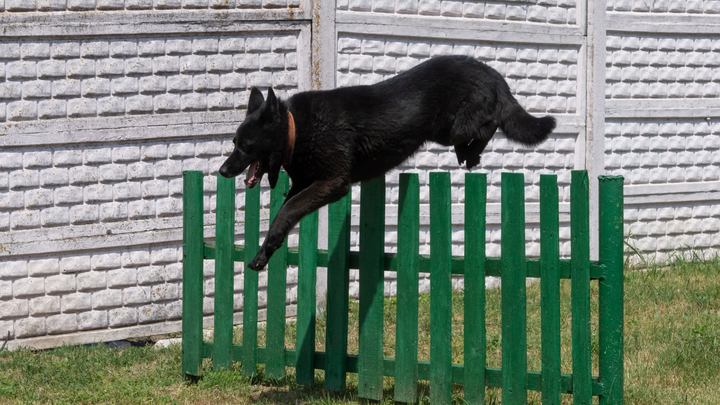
point(610, 293)
point(306, 306)
point(513, 299)
point(372, 242)
point(580, 283)
point(338, 279)
point(550, 289)
point(224, 272)
point(276, 292)
point(440, 289)
point(192, 310)
point(492, 264)
point(250, 280)
point(474, 298)
point(406, 335)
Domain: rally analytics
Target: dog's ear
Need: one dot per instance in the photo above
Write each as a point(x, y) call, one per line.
point(272, 105)
point(256, 100)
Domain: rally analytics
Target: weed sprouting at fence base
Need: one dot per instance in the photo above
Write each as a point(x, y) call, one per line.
point(370, 365)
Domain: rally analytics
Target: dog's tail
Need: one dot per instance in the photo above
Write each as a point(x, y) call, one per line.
point(522, 127)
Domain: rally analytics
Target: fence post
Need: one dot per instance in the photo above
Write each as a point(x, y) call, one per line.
point(474, 298)
point(306, 306)
point(224, 273)
point(337, 297)
point(372, 244)
point(441, 289)
point(408, 249)
point(611, 294)
point(277, 292)
point(250, 282)
point(550, 289)
point(580, 283)
point(192, 309)
point(513, 300)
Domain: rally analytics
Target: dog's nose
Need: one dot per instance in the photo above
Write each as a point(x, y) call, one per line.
point(224, 171)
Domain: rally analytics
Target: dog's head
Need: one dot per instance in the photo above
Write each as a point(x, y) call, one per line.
point(259, 142)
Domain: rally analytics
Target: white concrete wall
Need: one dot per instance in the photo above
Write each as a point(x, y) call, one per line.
point(662, 125)
point(103, 104)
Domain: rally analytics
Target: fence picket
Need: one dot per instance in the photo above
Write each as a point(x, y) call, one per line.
point(250, 282)
point(610, 294)
point(513, 299)
point(192, 310)
point(580, 283)
point(441, 289)
point(276, 292)
point(474, 297)
point(372, 244)
point(406, 334)
point(338, 279)
point(306, 307)
point(224, 273)
point(550, 289)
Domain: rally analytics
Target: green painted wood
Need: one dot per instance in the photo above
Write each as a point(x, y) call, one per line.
point(192, 310)
point(250, 282)
point(224, 272)
point(474, 297)
point(580, 284)
point(441, 289)
point(513, 299)
point(406, 328)
point(276, 292)
point(372, 242)
point(338, 279)
point(550, 289)
point(611, 311)
point(492, 264)
point(608, 385)
point(493, 375)
point(306, 306)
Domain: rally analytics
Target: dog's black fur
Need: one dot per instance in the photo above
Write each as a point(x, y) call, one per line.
point(358, 133)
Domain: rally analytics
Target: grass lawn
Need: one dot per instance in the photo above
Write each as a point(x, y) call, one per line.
point(672, 354)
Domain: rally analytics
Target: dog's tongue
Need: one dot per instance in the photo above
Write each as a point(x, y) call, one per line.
point(251, 180)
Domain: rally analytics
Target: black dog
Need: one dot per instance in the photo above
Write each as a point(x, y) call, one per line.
point(327, 140)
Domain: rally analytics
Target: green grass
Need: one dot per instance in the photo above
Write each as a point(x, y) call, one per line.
point(672, 354)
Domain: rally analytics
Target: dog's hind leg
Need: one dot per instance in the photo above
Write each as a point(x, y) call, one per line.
point(306, 201)
point(469, 153)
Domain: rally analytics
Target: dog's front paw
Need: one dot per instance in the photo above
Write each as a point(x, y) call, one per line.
point(258, 263)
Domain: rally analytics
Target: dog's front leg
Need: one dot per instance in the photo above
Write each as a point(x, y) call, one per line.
point(318, 194)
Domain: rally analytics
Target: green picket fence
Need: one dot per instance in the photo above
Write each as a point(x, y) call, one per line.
point(512, 267)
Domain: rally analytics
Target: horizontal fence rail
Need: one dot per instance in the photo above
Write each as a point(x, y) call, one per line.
point(512, 267)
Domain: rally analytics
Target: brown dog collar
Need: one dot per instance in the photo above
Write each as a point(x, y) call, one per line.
point(291, 140)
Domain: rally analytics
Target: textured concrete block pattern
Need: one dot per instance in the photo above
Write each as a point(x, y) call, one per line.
point(54, 79)
point(662, 151)
point(674, 7)
point(665, 230)
point(532, 11)
point(106, 184)
point(26, 6)
point(101, 290)
point(662, 67)
point(543, 79)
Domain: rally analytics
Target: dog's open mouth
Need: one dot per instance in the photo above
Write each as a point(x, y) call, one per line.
point(253, 175)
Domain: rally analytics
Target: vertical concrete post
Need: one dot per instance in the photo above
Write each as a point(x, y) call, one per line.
point(593, 26)
point(323, 59)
